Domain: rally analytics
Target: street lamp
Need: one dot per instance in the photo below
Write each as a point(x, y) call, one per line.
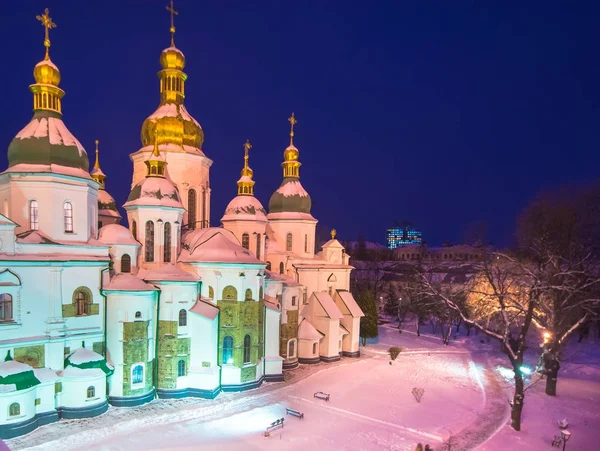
point(566, 435)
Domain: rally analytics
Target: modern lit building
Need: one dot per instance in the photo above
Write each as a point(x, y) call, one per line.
point(401, 235)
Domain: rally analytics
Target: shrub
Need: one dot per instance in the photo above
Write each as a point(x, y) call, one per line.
point(394, 351)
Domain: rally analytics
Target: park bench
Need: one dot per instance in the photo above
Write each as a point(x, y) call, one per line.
point(274, 425)
point(294, 413)
point(321, 395)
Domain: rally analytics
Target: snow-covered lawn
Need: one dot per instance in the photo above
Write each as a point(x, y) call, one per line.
point(371, 406)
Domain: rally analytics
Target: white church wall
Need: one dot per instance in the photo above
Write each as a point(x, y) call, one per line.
point(25, 399)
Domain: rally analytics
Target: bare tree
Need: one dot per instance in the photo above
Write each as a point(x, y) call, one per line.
point(499, 301)
point(559, 239)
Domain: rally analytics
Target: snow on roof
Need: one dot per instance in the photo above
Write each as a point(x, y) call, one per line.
point(293, 188)
point(172, 49)
point(34, 237)
point(128, 282)
point(205, 309)
point(116, 234)
point(104, 197)
point(214, 245)
point(168, 272)
point(328, 305)
point(72, 371)
point(187, 116)
point(45, 374)
point(288, 280)
point(6, 221)
point(350, 304)
point(154, 191)
point(11, 367)
point(52, 127)
point(49, 168)
point(333, 243)
point(343, 331)
point(84, 355)
point(290, 215)
point(47, 62)
point(7, 388)
point(245, 208)
point(306, 331)
point(271, 303)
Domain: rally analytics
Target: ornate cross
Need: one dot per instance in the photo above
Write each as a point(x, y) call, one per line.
point(174, 13)
point(247, 147)
point(333, 234)
point(47, 24)
point(292, 120)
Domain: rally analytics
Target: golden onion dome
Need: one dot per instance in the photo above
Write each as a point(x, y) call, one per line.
point(172, 58)
point(291, 153)
point(46, 73)
point(174, 125)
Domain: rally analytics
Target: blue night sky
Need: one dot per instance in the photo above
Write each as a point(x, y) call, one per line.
point(442, 113)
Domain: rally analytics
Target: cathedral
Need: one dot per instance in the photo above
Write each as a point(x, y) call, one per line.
point(95, 313)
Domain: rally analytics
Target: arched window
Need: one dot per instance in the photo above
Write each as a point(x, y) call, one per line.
point(227, 350)
point(181, 368)
point(183, 317)
point(149, 242)
point(246, 241)
point(258, 243)
point(281, 268)
point(268, 268)
point(68, 212)
point(91, 391)
point(305, 243)
point(6, 307)
point(288, 242)
point(137, 374)
point(82, 303)
point(134, 229)
point(125, 263)
point(229, 293)
point(247, 341)
point(211, 292)
point(138, 315)
point(291, 349)
point(248, 294)
point(14, 409)
point(192, 209)
point(167, 243)
point(314, 348)
point(34, 223)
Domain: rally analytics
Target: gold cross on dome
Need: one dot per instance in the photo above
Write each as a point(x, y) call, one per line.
point(247, 147)
point(292, 120)
point(333, 234)
point(174, 13)
point(47, 23)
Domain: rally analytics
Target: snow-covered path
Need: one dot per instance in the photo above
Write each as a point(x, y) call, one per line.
point(371, 407)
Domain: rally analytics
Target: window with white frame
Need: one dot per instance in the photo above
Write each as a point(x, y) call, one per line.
point(34, 220)
point(68, 214)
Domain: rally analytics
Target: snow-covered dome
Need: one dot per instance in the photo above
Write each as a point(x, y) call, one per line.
point(128, 282)
point(47, 141)
point(216, 245)
point(154, 191)
point(245, 208)
point(16, 376)
point(84, 359)
point(290, 197)
point(107, 205)
point(116, 234)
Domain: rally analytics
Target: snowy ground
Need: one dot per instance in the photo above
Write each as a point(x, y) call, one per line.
point(371, 406)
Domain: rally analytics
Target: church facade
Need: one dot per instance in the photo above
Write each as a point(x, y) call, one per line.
point(94, 313)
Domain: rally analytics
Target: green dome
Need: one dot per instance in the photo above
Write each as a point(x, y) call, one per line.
point(290, 197)
point(46, 140)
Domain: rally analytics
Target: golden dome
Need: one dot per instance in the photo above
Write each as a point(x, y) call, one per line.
point(291, 154)
point(172, 58)
point(247, 172)
point(46, 73)
point(174, 125)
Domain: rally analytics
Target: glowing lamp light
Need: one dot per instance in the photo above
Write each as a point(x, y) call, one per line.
point(525, 370)
point(547, 336)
